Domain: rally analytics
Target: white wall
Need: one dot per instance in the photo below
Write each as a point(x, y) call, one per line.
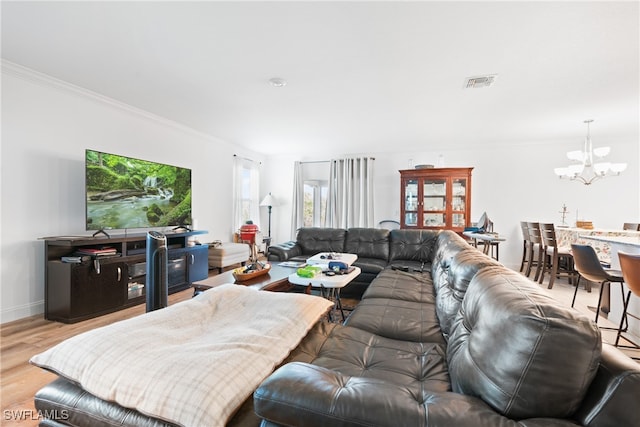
point(46, 127)
point(511, 183)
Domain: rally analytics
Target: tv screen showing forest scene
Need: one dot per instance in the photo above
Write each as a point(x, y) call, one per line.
point(123, 192)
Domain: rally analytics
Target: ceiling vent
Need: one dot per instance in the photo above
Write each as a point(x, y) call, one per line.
point(477, 82)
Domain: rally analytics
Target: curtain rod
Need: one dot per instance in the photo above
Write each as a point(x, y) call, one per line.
point(328, 161)
point(354, 158)
point(246, 158)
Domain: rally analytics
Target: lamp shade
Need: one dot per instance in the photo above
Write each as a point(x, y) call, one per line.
point(268, 200)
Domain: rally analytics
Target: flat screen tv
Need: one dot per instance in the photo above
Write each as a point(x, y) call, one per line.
point(123, 192)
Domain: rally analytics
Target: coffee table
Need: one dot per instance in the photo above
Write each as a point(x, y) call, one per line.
point(323, 259)
point(275, 280)
point(329, 285)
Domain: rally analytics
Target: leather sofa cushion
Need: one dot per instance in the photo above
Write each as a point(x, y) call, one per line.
point(368, 243)
point(399, 306)
point(452, 287)
point(68, 403)
point(401, 285)
point(613, 395)
point(415, 245)
point(517, 349)
point(313, 240)
point(397, 319)
point(302, 394)
point(414, 366)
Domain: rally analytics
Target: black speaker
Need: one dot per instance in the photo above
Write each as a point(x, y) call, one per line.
point(157, 282)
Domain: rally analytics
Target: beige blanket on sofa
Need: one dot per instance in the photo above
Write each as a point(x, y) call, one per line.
point(192, 363)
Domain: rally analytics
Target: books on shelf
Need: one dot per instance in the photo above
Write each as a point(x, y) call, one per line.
point(74, 259)
point(97, 252)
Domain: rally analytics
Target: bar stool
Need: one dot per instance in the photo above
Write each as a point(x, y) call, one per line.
point(525, 244)
point(558, 260)
point(630, 265)
point(588, 266)
point(535, 247)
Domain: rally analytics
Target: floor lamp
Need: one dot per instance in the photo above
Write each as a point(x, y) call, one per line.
point(268, 201)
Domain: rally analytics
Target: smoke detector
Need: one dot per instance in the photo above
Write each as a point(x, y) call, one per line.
point(477, 82)
point(277, 82)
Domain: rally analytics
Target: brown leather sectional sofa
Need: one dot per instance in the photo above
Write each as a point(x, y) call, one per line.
point(443, 336)
point(463, 342)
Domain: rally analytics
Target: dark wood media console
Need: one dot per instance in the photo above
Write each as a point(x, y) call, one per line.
point(103, 284)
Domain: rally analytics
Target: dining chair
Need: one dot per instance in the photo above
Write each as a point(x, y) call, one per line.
point(525, 244)
point(632, 226)
point(535, 249)
point(588, 266)
point(630, 266)
point(557, 260)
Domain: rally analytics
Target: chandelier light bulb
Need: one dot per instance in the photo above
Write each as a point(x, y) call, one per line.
point(616, 168)
point(601, 151)
point(577, 156)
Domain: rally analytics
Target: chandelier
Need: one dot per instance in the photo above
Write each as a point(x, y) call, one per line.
point(584, 169)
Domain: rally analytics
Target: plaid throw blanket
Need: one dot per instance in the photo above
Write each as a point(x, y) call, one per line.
point(192, 363)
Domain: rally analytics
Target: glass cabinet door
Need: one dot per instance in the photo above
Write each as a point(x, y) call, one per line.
point(434, 202)
point(458, 197)
point(411, 203)
point(434, 220)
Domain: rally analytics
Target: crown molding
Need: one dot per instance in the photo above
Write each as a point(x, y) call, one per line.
point(42, 79)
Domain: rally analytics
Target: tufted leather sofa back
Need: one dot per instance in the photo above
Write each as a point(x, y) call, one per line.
point(452, 287)
point(313, 240)
point(368, 243)
point(412, 245)
point(517, 349)
point(448, 244)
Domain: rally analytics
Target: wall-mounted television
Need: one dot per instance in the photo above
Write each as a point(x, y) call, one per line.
point(124, 192)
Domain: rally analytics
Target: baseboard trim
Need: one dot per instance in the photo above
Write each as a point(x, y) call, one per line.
point(21, 311)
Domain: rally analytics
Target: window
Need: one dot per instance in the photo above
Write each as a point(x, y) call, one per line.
point(245, 196)
point(315, 203)
point(246, 191)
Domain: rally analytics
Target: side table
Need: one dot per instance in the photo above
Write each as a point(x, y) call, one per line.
point(489, 241)
point(329, 285)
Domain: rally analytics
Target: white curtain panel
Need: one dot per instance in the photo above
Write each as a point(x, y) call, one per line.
point(350, 198)
point(297, 214)
point(236, 210)
point(245, 197)
point(254, 185)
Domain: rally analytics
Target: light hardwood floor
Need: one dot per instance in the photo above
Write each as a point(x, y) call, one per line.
point(22, 339)
point(19, 340)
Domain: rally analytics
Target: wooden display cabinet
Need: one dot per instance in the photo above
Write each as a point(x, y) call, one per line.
point(97, 286)
point(435, 198)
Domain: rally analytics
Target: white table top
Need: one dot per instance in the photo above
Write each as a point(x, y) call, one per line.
point(622, 240)
point(484, 236)
point(318, 259)
point(587, 231)
point(324, 281)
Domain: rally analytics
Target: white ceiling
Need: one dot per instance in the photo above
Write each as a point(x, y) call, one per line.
point(362, 76)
